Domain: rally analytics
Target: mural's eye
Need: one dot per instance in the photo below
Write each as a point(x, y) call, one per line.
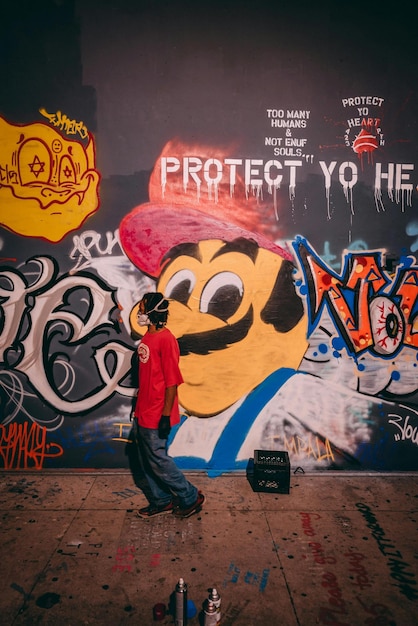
point(34, 162)
point(67, 171)
point(180, 286)
point(387, 325)
point(222, 295)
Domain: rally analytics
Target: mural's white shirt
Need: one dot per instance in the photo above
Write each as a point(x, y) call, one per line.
point(202, 433)
point(302, 408)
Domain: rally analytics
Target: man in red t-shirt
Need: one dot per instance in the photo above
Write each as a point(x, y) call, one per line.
point(157, 410)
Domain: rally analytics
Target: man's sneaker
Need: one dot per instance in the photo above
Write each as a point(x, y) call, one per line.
point(191, 510)
point(152, 510)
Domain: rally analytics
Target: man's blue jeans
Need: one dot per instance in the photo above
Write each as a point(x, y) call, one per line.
point(163, 476)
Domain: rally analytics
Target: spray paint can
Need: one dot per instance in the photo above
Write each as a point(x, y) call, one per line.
point(209, 614)
point(216, 599)
point(180, 616)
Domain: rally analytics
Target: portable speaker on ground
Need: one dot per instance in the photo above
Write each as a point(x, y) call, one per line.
point(271, 471)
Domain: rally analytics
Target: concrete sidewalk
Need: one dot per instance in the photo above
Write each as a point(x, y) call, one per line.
point(339, 549)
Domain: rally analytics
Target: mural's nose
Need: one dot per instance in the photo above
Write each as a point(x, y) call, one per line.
point(184, 320)
point(181, 319)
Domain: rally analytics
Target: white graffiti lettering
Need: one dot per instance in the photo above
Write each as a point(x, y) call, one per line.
point(213, 171)
point(89, 241)
point(45, 307)
point(406, 430)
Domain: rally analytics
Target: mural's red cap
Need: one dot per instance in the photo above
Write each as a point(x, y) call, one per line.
point(170, 218)
point(150, 230)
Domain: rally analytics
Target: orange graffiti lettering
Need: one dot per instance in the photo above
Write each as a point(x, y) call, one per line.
point(24, 447)
point(60, 120)
point(370, 308)
point(121, 426)
point(313, 446)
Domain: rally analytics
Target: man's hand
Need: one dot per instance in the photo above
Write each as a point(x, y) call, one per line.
point(164, 427)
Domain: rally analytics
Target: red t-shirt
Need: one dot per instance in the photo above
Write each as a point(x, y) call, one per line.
point(158, 369)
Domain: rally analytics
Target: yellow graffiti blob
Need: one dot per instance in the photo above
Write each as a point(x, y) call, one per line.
point(48, 184)
point(219, 298)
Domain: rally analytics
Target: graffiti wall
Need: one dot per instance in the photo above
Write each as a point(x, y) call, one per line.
point(258, 167)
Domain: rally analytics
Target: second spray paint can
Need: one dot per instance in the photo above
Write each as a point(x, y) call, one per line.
point(216, 599)
point(209, 614)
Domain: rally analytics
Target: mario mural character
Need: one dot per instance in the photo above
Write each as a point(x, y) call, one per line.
point(241, 328)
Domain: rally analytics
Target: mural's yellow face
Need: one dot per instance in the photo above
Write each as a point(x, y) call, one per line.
point(48, 184)
point(217, 312)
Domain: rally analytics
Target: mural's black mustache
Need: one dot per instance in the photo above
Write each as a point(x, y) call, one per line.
point(219, 339)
